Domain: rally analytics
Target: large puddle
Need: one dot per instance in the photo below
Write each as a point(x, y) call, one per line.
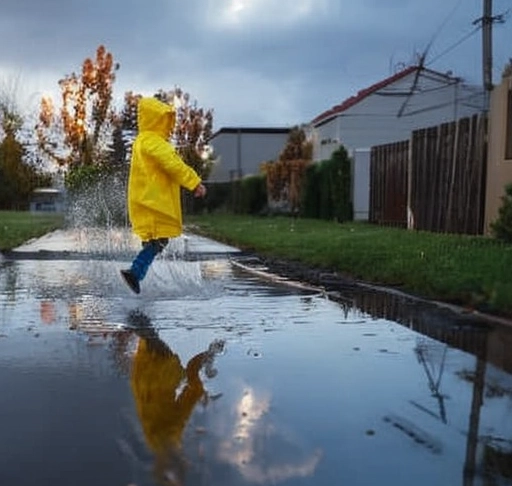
point(215, 377)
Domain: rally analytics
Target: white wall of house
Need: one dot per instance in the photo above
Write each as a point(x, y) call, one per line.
point(374, 120)
point(241, 151)
point(361, 190)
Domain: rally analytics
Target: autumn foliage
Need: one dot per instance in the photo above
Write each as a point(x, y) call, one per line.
point(20, 172)
point(85, 112)
point(87, 138)
point(285, 176)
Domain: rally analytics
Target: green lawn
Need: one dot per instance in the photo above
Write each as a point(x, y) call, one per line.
point(17, 227)
point(472, 271)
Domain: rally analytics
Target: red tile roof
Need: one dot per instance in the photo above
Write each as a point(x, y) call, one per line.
point(361, 95)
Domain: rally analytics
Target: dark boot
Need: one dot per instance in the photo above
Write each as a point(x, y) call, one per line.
point(131, 280)
point(142, 262)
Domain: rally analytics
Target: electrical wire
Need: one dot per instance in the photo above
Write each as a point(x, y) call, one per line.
point(443, 25)
point(423, 57)
point(455, 45)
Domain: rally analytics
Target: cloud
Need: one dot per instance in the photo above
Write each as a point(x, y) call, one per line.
point(254, 61)
point(266, 14)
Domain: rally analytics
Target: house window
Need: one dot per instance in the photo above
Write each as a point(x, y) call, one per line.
point(508, 133)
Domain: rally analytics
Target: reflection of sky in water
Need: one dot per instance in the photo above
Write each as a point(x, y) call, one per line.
point(305, 393)
point(261, 449)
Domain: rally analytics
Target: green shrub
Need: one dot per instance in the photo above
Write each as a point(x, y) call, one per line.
point(327, 192)
point(310, 206)
point(248, 196)
point(253, 197)
point(218, 198)
point(81, 177)
point(502, 227)
point(341, 185)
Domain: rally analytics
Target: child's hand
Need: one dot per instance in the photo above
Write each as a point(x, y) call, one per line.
point(200, 191)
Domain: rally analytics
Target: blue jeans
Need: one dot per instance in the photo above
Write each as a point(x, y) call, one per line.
point(142, 262)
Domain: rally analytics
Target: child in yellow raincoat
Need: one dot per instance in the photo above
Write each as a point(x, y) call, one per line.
point(157, 173)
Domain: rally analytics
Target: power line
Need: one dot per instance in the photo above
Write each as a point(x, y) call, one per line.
point(443, 24)
point(500, 19)
point(455, 45)
point(423, 57)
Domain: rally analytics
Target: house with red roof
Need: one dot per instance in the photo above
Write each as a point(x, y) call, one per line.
point(386, 112)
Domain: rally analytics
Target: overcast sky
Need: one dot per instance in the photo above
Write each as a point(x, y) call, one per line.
point(255, 62)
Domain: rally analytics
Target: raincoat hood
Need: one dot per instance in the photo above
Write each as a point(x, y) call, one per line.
point(156, 116)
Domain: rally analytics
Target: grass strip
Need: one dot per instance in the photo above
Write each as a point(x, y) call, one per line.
point(17, 227)
point(465, 270)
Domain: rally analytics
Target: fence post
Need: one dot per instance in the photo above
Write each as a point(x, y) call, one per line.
point(410, 213)
point(455, 153)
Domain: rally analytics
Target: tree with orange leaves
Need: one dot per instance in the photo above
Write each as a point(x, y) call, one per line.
point(285, 176)
point(75, 136)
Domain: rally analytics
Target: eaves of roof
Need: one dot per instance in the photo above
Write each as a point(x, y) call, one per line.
point(251, 130)
point(361, 95)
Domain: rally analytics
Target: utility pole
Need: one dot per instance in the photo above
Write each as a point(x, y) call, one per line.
point(487, 20)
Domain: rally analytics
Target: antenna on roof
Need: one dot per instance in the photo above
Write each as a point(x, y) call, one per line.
point(421, 58)
point(399, 66)
point(419, 68)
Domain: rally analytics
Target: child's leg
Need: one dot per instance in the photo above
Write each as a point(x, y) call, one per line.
point(142, 262)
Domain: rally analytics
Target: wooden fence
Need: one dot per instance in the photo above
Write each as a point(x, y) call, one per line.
point(435, 181)
point(388, 184)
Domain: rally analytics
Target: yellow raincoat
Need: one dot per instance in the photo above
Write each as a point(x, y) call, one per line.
point(156, 379)
point(156, 174)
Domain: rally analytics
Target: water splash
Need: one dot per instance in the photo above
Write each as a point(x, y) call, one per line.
point(98, 217)
point(98, 214)
point(102, 204)
point(174, 279)
point(114, 241)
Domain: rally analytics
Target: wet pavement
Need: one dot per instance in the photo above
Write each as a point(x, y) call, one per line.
point(218, 375)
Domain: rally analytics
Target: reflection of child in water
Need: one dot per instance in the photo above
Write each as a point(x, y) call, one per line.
point(165, 394)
